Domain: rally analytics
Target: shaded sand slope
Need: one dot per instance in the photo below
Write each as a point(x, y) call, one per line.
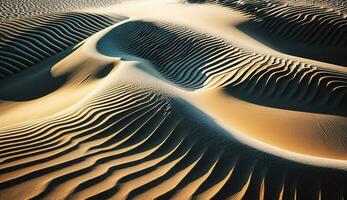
point(297, 28)
point(199, 62)
point(52, 85)
point(129, 141)
point(220, 21)
point(195, 60)
point(26, 42)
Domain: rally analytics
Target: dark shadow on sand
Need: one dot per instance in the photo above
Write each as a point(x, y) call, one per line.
point(34, 82)
point(328, 54)
point(283, 95)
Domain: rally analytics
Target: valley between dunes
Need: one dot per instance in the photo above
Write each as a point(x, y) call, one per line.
point(174, 100)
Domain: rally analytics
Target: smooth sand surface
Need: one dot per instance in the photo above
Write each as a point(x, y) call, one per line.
point(174, 100)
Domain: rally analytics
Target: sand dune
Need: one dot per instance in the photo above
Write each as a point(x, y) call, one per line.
point(126, 103)
point(13, 9)
point(199, 61)
point(128, 141)
point(310, 30)
point(26, 42)
point(308, 23)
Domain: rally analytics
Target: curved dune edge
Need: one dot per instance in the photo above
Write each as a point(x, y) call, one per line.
point(308, 29)
point(29, 41)
point(129, 141)
point(199, 67)
point(195, 60)
point(150, 122)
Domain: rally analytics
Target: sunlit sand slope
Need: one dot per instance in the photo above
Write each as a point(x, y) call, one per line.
point(13, 9)
point(125, 141)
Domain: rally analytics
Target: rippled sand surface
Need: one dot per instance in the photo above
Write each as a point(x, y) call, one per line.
point(173, 99)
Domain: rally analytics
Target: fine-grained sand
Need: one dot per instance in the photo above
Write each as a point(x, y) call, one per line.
point(174, 100)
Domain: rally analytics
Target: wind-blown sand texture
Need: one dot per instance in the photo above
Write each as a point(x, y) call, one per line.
point(13, 9)
point(26, 42)
point(174, 100)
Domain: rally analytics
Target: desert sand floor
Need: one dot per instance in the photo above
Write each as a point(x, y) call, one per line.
point(173, 100)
